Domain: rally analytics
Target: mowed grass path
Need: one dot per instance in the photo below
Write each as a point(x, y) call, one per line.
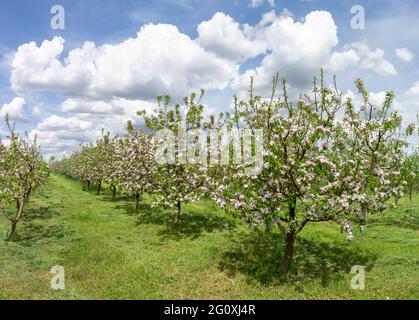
point(109, 251)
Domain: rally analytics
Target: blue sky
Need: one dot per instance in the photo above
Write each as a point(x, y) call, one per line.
point(65, 102)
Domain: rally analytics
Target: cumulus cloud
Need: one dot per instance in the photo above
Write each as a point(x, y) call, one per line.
point(414, 90)
point(104, 86)
point(257, 3)
point(111, 115)
point(15, 110)
point(162, 60)
point(60, 123)
point(58, 134)
point(91, 107)
point(341, 60)
point(404, 54)
point(36, 111)
point(373, 60)
point(297, 49)
point(223, 36)
point(159, 60)
point(411, 103)
point(360, 55)
point(375, 98)
point(408, 106)
point(59, 142)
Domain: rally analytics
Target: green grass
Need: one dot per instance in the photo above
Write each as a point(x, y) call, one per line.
point(109, 251)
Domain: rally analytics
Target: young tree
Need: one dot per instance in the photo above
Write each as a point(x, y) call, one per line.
point(410, 173)
point(22, 169)
point(324, 160)
point(107, 162)
point(180, 175)
point(134, 163)
point(82, 165)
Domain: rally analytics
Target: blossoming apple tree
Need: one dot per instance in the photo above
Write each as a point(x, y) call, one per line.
point(22, 169)
point(324, 159)
point(410, 173)
point(134, 163)
point(181, 173)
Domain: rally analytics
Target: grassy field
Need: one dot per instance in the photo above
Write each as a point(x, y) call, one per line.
point(109, 251)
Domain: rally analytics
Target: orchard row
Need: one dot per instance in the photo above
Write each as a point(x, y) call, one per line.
point(323, 159)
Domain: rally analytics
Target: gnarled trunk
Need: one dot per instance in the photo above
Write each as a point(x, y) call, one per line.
point(14, 222)
point(98, 187)
point(12, 230)
point(178, 213)
point(137, 200)
point(113, 193)
point(290, 236)
point(285, 265)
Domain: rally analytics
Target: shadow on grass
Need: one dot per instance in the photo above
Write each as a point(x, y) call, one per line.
point(192, 224)
point(129, 208)
point(258, 256)
point(38, 224)
point(47, 232)
point(40, 213)
point(106, 195)
point(404, 224)
point(406, 219)
point(119, 198)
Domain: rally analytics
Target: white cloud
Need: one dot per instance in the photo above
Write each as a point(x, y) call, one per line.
point(38, 68)
point(110, 115)
point(414, 90)
point(349, 95)
point(360, 55)
point(268, 18)
point(60, 123)
point(408, 107)
point(90, 106)
point(15, 110)
point(105, 85)
point(411, 104)
point(297, 50)
point(404, 54)
point(162, 60)
point(36, 111)
point(372, 60)
point(59, 134)
point(377, 98)
point(257, 3)
point(159, 60)
point(341, 60)
point(58, 142)
point(224, 37)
